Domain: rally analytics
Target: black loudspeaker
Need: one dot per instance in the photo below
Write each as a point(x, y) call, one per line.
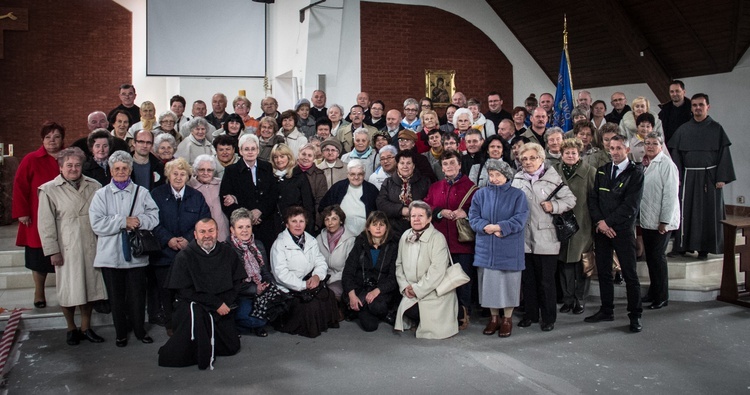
point(265, 1)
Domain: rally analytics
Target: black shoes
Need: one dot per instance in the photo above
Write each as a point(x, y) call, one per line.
point(566, 308)
point(647, 299)
point(121, 342)
point(702, 256)
point(675, 254)
point(157, 319)
point(260, 332)
point(547, 327)
point(91, 336)
point(657, 305)
point(146, 339)
point(578, 308)
point(599, 317)
point(635, 324)
point(525, 323)
point(74, 337)
point(618, 278)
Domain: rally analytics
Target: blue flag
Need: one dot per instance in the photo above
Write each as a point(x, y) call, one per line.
point(564, 95)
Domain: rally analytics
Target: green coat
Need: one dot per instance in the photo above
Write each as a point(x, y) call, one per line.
point(580, 184)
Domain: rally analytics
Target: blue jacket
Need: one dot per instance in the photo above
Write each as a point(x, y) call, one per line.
point(174, 222)
point(501, 205)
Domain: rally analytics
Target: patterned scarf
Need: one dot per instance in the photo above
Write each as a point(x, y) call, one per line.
point(414, 236)
point(251, 257)
point(298, 240)
point(533, 177)
point(333, 238)
point(405, 196)
point(568, 171)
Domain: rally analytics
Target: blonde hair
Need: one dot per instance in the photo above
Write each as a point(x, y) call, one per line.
point(641, 99)
point(283, 150)
point(148, 123)
point(572, 143)
point(178, 164)
point(533, 146)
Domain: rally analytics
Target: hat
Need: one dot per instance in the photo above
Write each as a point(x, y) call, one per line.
point(380, 133)
point(407, 134)
point(300, 103)
point(331, 141)
point(502, 167)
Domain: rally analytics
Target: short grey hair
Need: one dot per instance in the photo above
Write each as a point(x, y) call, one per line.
point(120, 156)
point(657, 136)
point(388, 148)
point(420, 204)
point(552, 131)
point(341, 109)
point(578, 111)
point(244, 140)
point(501, 166)
point(195, 122)
point(462, 111)
point(533, 146)
point(70, 152)
point(355, 163)
point(167, 114)
point(203, 158)
point(411, 101)
point(240, 213)
point(162, 137)
point(362, 130)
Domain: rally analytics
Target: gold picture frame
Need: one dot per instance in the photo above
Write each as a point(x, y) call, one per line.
point(440, 86)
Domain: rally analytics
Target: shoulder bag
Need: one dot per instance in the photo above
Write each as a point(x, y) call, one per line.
point(142, 242)
point(454, 278)
point(565, 224)
point(465, 233)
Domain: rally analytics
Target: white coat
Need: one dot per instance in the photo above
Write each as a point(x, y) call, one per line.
point(337, 258)
point(660, 202)
point(290, 264)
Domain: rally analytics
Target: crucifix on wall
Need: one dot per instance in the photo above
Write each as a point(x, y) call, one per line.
point(12, 19)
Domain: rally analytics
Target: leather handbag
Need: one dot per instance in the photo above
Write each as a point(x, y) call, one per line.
point(142, 242)
point(465, 233)
point(565, 224)
point(454, 278)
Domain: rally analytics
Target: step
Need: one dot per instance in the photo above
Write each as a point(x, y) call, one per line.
point(19, 278)
point(50, 317)
point(683, 290)
point(12, 258)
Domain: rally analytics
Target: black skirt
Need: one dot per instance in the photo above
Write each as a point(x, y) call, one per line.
point(310, 318)
point(36, 261)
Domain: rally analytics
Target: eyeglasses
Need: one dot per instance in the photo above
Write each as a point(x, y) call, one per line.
point(240, 105)
point(647, 144)
point(382, 158)
point(167, 121)
point(330, 150)
point(356, 113)
point(144, 142)
point(410, 109)
point(356, 175)
point(528, 158)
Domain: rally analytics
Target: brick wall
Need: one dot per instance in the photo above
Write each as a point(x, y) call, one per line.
point(399, 42)
point(68, 64)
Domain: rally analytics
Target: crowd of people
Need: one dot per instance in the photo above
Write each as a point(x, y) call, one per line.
point(304, 218)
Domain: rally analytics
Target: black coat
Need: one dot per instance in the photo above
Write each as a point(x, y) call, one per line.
point(389, 203)
point(294, 191)
point(261, 195)
point(338, 190)
point(616, 201)
point(359, 267)
point(92, 169)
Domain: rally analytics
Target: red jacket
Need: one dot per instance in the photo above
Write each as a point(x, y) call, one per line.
point(443, 196)
point(36, 168)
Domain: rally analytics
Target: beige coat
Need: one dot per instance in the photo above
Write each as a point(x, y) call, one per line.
point(65, 228)
point(422, 265)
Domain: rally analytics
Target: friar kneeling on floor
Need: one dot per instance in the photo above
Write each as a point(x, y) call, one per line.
point(206, 277)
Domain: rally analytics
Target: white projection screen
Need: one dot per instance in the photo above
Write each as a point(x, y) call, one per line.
point(198, 38)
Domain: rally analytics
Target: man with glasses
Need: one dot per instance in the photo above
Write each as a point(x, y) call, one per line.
point(619, 108)
point(357, 116)
point(148, 170)
point(377, 119)
point(127, 103)
point(363, 100)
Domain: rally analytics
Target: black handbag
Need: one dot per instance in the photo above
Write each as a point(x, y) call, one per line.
point(142, 242)
point(565, 224)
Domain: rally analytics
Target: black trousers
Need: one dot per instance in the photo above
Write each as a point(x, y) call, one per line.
point(464, 292)
point(655, 245)
point(127, 297)
point(539, 289)
point(624, 245)
point(165, 296)
point(575, 284)
point(153, 302)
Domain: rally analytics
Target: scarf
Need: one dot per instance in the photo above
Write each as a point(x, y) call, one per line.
point(414, 236)
point(121, 185)
point(568, 171)
point(77, 183)
point(405, 196)
point(298, 240)
point(251, 257)
point(280, 174)
point(533, 177)
point(304, 168)
point(455, 179)
point(436, 155)
point(364, 155)
point(333, 238)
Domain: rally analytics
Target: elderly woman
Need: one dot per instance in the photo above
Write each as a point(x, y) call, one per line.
point(484, 125)
point(430, 125)
point(336, 114)
point(645, 127)
point(361, 150)
point(250, 183)
point(591, 154)
point(120, 125)
point(579, 177)
point(659, 215)
point(397, 192)
point(553, 137)
point(70, 243)
point(445, 198)
point(180, 207)
point(498, 215)
point(167, 122)
point(242, 106)
point(196, 143)
point(519, 119)
point(292, 186)
point(537, 181)
point(628, 126)
point(369, 277)
point(578, 114)
point(492, 148)
point(268, 137)
point(148, 118)
point(226, 153)
point(292, 137)
point(355, 196)
point(300, 270)
point(335, 243)
point(165, 146)
point(411, 115)
point(117, 208)
point(99, 143)
point(305, 123)
point(35, 169)
point(435, 140)
point(462, 120)
point(420, 267)
point(315, 177)
point(260, 298)
point(204, 182)
point(333, 168)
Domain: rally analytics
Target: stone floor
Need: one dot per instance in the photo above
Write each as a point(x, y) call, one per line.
point(685, 348)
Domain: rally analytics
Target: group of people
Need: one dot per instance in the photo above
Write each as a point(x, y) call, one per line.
point(305, 218)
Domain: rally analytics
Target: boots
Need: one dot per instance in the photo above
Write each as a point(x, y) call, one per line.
point(492, 326)
point(506, 327)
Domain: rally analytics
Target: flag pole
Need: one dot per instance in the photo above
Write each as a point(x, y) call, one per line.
point(565, 47)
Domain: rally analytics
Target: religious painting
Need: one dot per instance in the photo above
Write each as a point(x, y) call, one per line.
point(440, 86)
